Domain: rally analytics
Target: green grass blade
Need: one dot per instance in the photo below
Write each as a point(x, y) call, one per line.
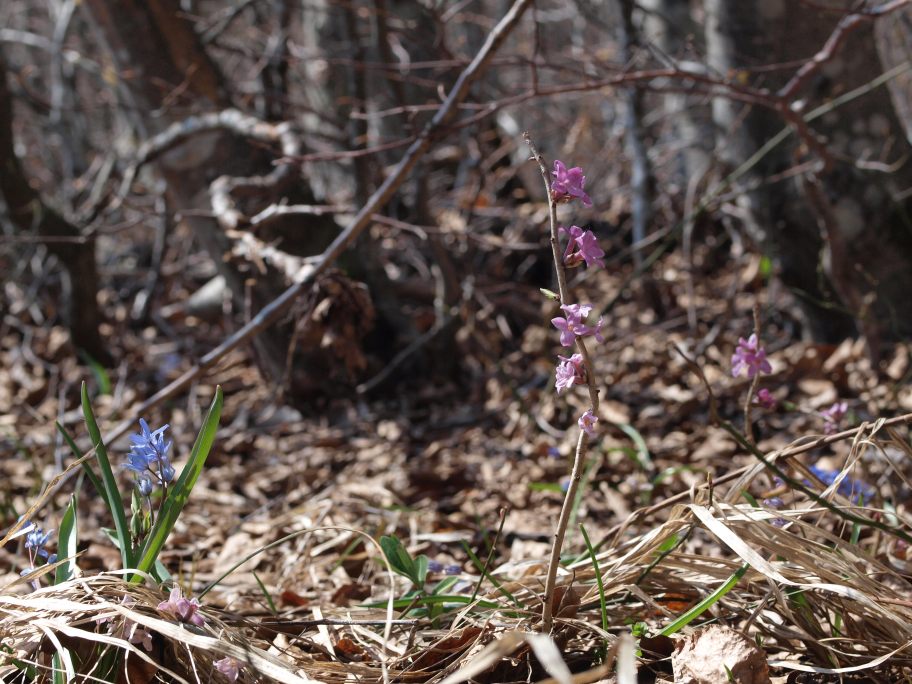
point(67, 544)
point(86, 465)
point(488, 576)
point(180, 492)
point(598, 576)
point(112, 494)
point(706, 603)
point(269, 601)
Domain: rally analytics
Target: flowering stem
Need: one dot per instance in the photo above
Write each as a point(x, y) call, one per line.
point(581, 444)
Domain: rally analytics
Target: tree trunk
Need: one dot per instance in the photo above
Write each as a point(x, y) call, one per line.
point(843, 231)
point(76, 252)
point(172, 76)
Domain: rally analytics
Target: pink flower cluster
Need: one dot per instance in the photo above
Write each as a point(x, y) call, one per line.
point(568, 184)
point(185, 610)
point(572, 325)
point(751, 357)
point(582, 246)
point(833, 416)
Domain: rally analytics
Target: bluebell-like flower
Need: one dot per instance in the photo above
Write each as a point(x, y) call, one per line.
point(149, 456)
point(37, 538)
point(849, 487)
point(35, 541)
point(144, 484)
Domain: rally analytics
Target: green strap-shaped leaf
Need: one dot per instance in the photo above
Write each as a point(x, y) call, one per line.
point(67, 544)
point(112, 494)
point(396, 555)
point(86, 465)
point(180, 491)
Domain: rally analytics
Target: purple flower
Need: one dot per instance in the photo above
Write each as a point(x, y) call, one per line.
point(453, 569)
point(587, 423)
point(849, 487)
point(586, 246)
point(568, 184)
point(185, 610)
point(573, 326)
point(35, 541)
point(570, 371)
point(765, 399)
point(435, 566)
point(229, 667)
point(833, 416)
point(149, 455)
point(750, 356)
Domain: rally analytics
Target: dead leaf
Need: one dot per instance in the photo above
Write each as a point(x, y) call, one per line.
point(708, 656)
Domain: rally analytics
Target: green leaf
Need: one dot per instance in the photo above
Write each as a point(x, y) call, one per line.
point(398, 557)
point(180, 492)
point(706, 603)
point(549, 294)
point(86, 465)
point(443, 585)
point(421, 570)
point(66, 544)
point(269, 601)
point(111, 493)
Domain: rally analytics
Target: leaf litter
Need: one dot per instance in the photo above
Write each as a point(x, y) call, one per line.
point(306, 496)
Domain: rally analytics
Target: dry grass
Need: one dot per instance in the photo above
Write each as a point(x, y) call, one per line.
point(818, 595)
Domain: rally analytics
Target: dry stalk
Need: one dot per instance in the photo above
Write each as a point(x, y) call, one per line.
point(581, 444)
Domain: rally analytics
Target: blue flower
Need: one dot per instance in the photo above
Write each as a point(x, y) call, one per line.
point(849, 487)
point(149, 455)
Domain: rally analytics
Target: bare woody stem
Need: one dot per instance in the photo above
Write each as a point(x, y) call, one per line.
point(580, 456)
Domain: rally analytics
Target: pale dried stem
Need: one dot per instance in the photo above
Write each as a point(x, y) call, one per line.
point(580, 455)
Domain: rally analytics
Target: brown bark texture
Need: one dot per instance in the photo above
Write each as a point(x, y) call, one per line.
point(841, 238)
point(30, 213)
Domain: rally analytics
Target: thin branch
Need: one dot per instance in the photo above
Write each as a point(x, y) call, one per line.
point(308, 274)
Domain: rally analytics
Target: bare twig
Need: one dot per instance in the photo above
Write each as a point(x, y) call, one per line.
point(846, 25)
point(272, 311)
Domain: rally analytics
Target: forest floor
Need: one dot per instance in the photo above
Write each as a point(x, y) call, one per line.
point(478, 462)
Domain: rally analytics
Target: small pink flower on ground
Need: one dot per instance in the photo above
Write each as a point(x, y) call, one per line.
point(572, 326)
point(229, 667)
point(765, 399)
point(751, 357)
point(568, 184)
point(570, 371)
point(833, 416)
point(587, 423)
point(185, 610)
point(586, 248)
point(138, 635)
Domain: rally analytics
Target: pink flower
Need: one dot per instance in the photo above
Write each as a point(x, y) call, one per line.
point(568, 184)
point(573, 326)
point(587, 423)
point(586, 246)
point(570, 371)
point(229, 667)
point(833, 416)
point(750, 356)
point(185, 610)
point(765, 399)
